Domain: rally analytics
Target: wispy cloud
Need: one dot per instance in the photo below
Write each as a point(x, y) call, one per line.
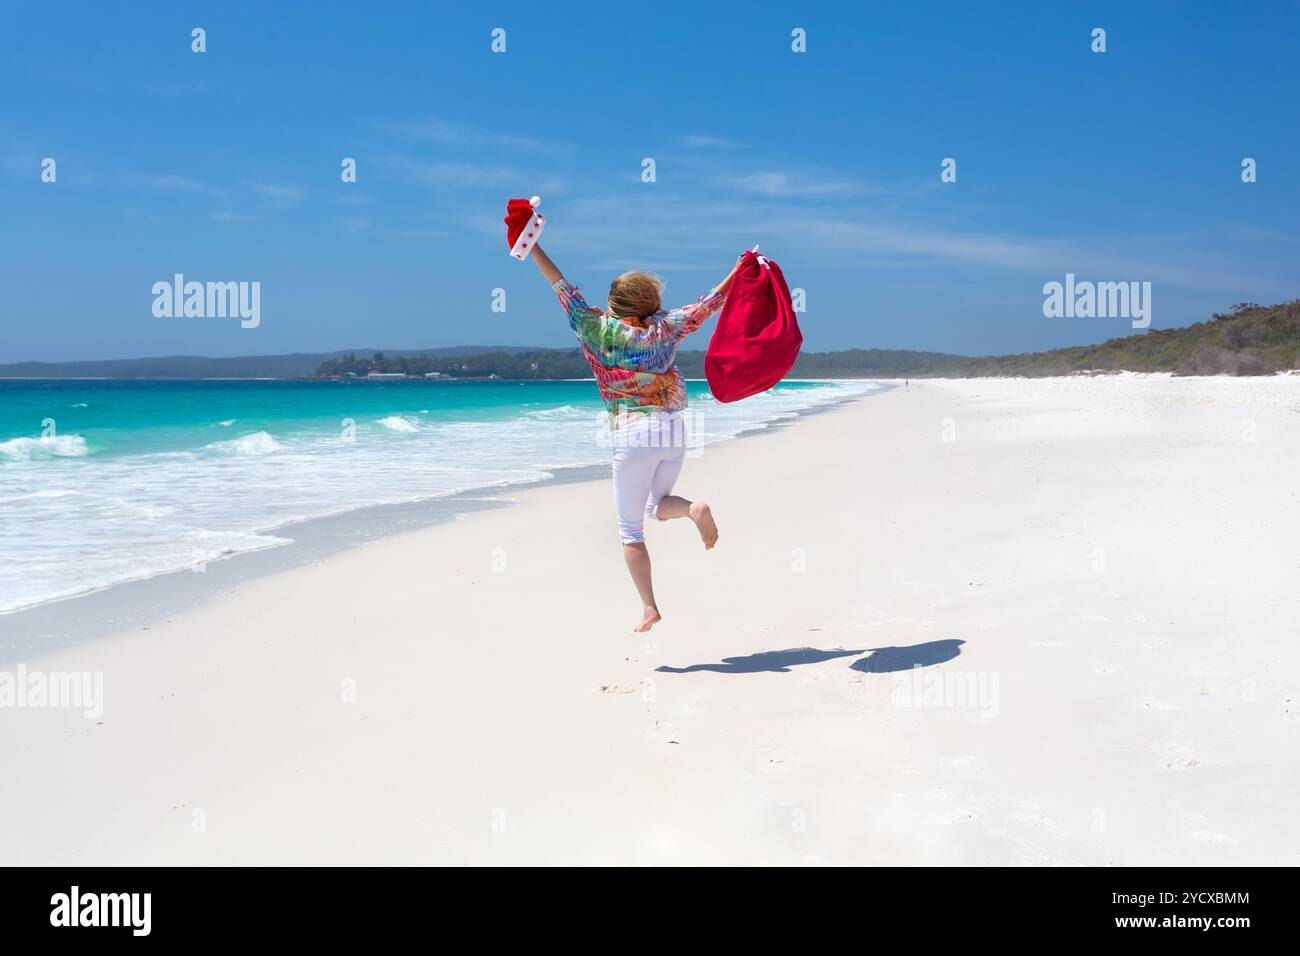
point(364, 225)
point(174, 183)
point(221, 215)
point(276, 195)
point(786, 184)
point(167, 87)
point(447, 175)
point(722, 226)
point(708, 142)
point(1256, 234)
point(247, 202)
point(454, 134)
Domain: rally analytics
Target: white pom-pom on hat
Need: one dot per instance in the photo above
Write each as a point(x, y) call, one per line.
point(535, 201)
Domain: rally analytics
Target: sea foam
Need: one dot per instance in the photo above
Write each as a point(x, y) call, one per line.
point(50, 446)
point(250, 445)
point(78, 521)
point(400, 423)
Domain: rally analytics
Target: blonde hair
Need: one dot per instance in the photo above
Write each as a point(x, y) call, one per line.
point(635, 295)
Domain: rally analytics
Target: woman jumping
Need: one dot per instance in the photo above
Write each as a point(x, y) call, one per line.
point(631, 347)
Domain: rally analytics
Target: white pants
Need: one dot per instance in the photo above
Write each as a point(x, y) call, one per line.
point(648, 456)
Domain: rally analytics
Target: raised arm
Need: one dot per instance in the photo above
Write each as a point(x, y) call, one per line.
point(721, 287)
point(544, 263)
point(583, 319)
point(688, 318)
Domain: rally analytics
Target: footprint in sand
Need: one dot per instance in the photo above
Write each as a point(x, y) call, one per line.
point(1042, 822)
point(1105, 669)
point(1028, 854)
point(966, 763)
point(1211, 682)
point(1180, 758)
point(957, 816)
point(1210, 691)
point(616, 689)
point(1150, 703)
point(1155, 644)
point(663, 732)
point(775, 763)
point(1214, 839)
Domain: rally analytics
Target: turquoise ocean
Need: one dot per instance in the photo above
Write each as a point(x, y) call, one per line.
point(103, 482)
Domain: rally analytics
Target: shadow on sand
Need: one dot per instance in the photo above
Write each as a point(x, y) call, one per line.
point(887, 660)
point(883, 660)
point(773, 661)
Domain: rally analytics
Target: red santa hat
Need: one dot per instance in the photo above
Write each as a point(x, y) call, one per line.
point(523, 225)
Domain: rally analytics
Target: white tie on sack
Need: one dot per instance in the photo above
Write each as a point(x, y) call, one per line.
point(762, 261)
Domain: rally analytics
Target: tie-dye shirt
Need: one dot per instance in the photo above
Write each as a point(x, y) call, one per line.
point(634, 366)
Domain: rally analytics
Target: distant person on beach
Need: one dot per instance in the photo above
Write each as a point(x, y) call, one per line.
point(631, 346)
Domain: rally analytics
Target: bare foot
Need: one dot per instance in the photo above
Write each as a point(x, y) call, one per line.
point(703, 519)
point(651, 618)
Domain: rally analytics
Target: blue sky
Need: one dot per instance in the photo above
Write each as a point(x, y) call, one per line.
point(225, 166)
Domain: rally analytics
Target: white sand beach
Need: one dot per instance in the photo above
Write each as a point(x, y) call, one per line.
point(1096, 576)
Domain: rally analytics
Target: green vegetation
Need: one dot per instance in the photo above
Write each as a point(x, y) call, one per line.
point(534, 364)
point(1248, 340)
point(570, 363)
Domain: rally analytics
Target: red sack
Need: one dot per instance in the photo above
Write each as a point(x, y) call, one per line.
point(757, 337)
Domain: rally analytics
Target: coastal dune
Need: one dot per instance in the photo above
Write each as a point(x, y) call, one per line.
point(995, 621)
